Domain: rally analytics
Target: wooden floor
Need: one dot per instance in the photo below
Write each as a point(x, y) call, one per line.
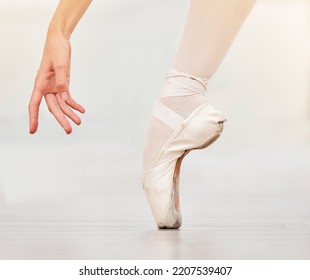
point(234, 228)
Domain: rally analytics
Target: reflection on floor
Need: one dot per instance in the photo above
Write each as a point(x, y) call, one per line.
point(108, 227)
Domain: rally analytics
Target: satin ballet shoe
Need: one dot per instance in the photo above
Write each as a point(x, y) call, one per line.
point(161, 179)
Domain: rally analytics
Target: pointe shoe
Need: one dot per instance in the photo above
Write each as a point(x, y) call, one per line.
point(161, 179)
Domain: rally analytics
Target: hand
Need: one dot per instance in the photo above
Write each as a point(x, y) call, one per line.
point(52, 82)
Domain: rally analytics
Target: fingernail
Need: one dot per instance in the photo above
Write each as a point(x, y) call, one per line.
point(64, 95)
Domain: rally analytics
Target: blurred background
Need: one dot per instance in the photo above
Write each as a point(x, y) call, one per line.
point(79, 196)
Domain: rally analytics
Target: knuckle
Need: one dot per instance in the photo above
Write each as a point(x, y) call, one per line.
point(61, 84)
point(31, 106)
point(60, 66)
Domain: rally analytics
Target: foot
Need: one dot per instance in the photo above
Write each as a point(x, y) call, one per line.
point(174, 129)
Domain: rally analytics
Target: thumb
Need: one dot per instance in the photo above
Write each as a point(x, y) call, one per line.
point(61, 82)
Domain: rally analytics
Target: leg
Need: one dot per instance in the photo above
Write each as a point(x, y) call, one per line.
point(181, 118)
point(210, 29)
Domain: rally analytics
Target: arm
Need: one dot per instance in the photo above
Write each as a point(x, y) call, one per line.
point(53, 77)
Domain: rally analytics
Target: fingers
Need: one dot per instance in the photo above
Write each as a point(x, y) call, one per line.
point(73, 104)
point(61, 81)
point(54, 108)
point(67, 111)
point(33, 109)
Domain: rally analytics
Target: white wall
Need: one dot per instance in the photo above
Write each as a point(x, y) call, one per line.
point(121, 50)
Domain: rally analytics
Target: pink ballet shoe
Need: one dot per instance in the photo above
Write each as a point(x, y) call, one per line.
point(161, 179)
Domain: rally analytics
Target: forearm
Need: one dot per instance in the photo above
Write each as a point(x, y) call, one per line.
point(67, 15)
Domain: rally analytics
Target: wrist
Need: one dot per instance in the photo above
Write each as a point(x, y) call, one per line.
point(58, 30)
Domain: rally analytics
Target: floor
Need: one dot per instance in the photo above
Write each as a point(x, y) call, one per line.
point(80, 197)
point(206, 236)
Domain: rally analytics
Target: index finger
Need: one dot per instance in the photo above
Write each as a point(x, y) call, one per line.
point(33, 109)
